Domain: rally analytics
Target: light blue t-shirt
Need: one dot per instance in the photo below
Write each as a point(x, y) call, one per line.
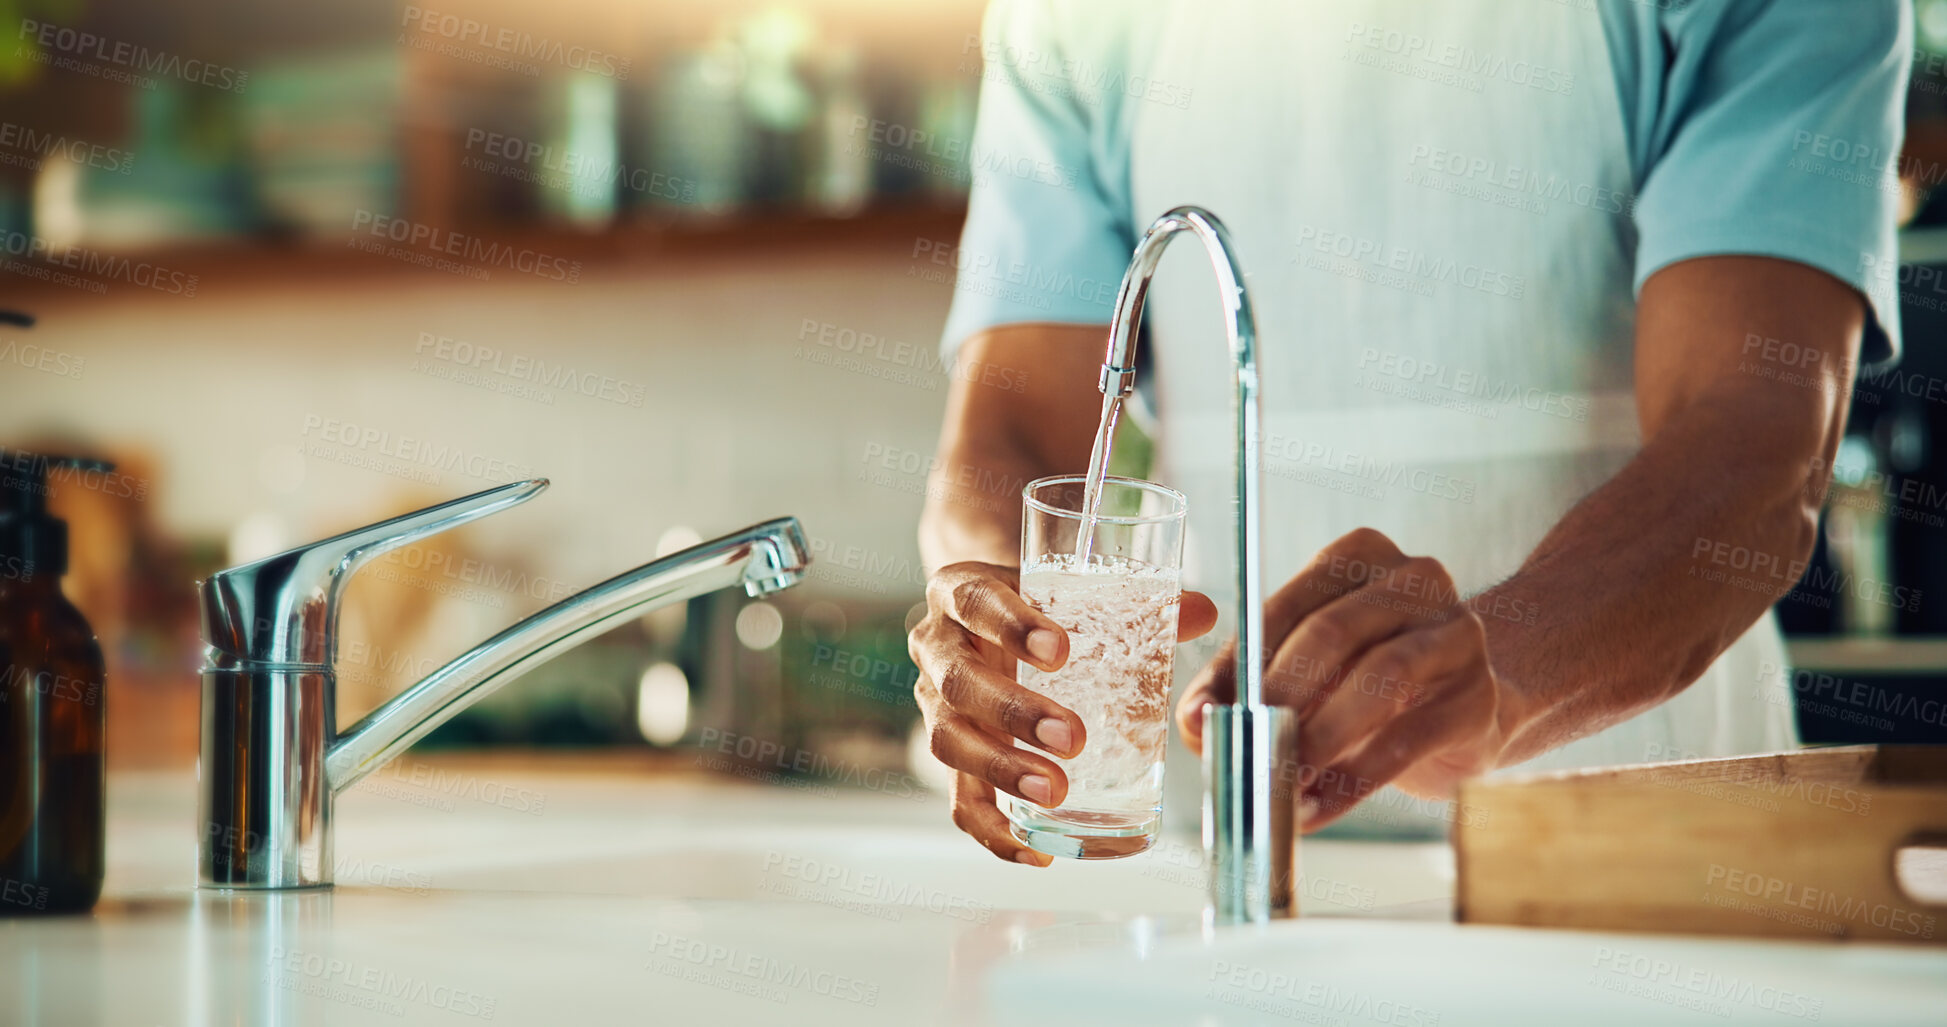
point(1755, 127)
point(1444, 212)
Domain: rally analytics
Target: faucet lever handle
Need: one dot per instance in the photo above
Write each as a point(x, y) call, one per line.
point(283, 609)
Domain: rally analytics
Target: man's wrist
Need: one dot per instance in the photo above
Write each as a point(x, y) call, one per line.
point(1515, 712)
point(966, 547)
point(1516, 707)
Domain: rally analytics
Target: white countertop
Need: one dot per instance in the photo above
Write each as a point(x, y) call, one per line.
point(558, 896)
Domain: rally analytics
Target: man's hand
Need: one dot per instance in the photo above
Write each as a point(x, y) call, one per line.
point(976, 627)
point(1387, 668)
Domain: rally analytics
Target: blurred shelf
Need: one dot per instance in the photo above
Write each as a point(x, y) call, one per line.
point(590, 761)
point(1841, 655)
point(1926, 245)
point(251, 265)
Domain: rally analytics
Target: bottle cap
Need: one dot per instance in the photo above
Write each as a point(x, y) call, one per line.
point(27, 531)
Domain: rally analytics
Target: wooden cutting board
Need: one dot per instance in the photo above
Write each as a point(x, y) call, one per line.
point(1821, 843)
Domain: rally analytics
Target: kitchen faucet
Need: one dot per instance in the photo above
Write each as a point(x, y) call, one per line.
point(1249, 749)
point(272, 759)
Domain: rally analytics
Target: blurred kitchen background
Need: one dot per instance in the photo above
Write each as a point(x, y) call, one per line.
point(320, 265)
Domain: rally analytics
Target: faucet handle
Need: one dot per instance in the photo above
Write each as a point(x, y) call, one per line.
point(283, 609)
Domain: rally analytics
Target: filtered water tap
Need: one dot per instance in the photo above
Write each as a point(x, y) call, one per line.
point(272, 760)
point(1249, 749)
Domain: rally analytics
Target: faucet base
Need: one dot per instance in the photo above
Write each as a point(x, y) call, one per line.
point(265, 817)
point(1250, 772)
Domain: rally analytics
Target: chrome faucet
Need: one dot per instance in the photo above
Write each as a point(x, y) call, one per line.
point(1249, 749)
point(272, 760)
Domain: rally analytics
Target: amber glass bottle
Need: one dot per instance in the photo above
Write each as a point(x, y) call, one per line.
point(53, 794)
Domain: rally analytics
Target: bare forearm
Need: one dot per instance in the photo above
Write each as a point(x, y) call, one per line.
point(1651, 577)
point(967, 515)
point(1631, 596)
point(1021, 408)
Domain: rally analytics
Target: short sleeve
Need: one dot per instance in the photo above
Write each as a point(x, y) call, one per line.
point(1777, 131)
point(1044, 239)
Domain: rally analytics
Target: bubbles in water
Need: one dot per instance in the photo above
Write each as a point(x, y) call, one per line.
point(1121, 622)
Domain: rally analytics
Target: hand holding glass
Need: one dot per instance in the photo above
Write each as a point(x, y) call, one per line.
point(1119, 607)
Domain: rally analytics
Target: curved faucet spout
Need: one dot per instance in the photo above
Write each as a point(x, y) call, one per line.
point(762, 558)
point(1119, 375)
point(271, 762)
point(1249, 749)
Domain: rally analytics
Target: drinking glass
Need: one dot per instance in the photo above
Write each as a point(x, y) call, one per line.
point(1118, 604)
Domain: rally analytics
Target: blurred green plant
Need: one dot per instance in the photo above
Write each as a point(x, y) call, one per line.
point(1134, 450)
point(206, 125)
point(18, 58)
